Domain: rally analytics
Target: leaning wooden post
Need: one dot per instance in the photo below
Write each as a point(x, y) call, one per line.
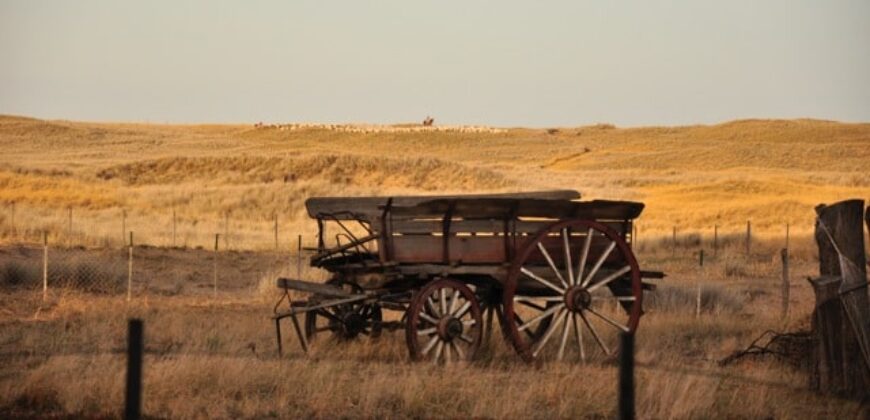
point(841, 319)
point(130, 269)
point(785, 282)
point(44, 265)
point(216, 239)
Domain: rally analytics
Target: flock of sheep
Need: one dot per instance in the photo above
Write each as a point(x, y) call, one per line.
point(372, 128)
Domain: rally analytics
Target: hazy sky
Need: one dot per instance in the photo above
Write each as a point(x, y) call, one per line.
point(502, 63)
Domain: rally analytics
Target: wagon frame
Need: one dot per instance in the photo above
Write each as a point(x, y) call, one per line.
point(538, 262)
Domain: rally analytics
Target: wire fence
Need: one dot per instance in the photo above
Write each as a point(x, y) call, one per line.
point(170, 227)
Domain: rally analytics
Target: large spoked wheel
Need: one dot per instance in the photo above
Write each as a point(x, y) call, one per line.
point(344, 322)
point(444, 323)
point(569, 293)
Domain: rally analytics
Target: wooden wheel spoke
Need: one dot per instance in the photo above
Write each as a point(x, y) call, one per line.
point(466, 339)
point(462, 310)
point(428, 318)
point(442, 301)
point(431, 343)
point(534, 276)
point(581, 266)
point(541, 316)
point(552, 264)
point(579, 333)
point(438, 348)
point(567, 246)
point(427, 331)
point(598, 263)
point(608, 320)
point(553, 327)
point(453, 301)
point(565, 330)
point(595, 334)
point(609, 278)
point(531, 304)
point(469, 322)
point(458, 349)
point(432, 307)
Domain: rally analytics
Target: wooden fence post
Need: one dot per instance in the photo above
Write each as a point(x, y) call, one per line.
point(700, 280)
point(174, 226)
point(123, 227)
point(841, 319)
point(130, 269)
point(276, 231)
point(299, 258)
point(748, 238)
point(785, 282)
point(44, 265)
point(69, 226)
point(626, 376)
point(12, 220)
point(216, 239)
point(715, 241)
point(135, 344)
point(227, 230)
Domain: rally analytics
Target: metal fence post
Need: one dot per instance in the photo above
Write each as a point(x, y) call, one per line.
point(700, 279)
point(69, 226)
point(715, 241)
point(44, 265)
point(123, 226)
point(626, 376)
point(216, 239)
point(133, 399)
point(130, 269)
point(173, 227)
point(785, 282)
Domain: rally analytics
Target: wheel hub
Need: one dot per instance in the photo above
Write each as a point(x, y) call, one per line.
point(449, 328)
point(352, 324)
point(578, 299)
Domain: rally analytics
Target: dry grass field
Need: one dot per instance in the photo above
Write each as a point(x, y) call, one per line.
point(210, 357)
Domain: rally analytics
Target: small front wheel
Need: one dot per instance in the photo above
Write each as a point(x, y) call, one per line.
point(444, 323)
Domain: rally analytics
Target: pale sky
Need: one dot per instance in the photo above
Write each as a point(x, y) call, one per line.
point(502, 63)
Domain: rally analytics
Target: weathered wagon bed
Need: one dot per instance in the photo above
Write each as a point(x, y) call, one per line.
point(539, 262)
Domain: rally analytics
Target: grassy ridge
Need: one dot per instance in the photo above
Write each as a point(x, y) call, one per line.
point(770, 171)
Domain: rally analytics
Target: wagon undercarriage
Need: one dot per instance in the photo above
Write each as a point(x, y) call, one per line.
point(558, 275)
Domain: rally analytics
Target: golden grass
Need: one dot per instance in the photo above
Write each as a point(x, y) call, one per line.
point(769, 171)
point(216, 359)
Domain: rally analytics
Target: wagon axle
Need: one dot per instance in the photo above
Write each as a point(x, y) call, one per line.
point(577, 299)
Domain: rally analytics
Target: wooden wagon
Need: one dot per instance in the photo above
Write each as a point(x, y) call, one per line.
point(557, 273)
